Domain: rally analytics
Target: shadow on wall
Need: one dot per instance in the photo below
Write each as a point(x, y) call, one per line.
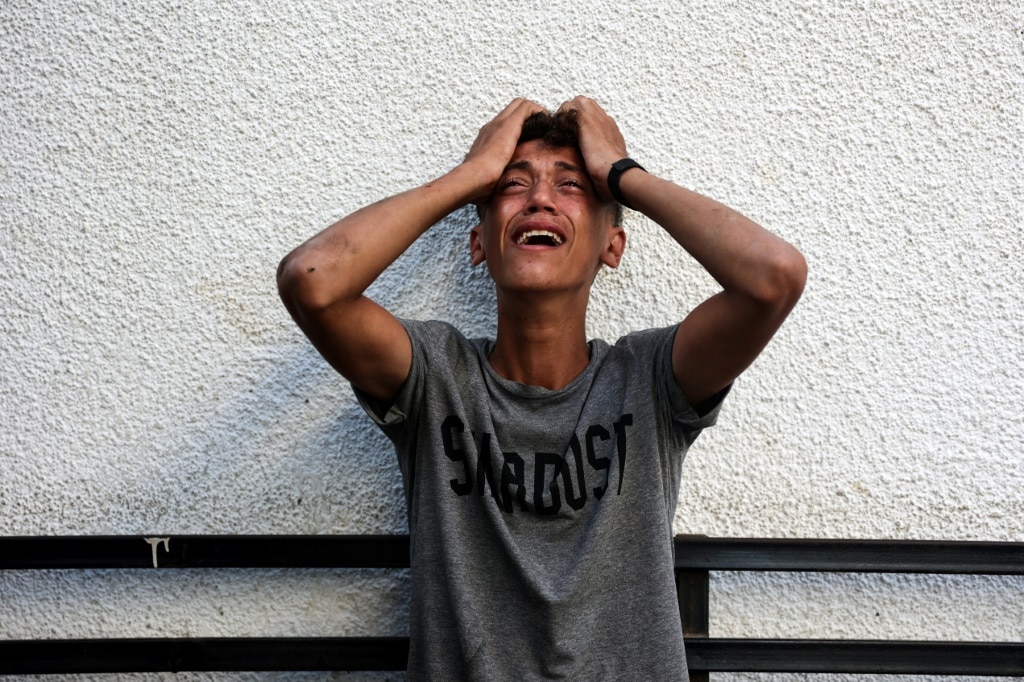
point(289, 450)
point(434, 279)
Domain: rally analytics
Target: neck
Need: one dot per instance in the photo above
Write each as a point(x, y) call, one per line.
point(540, 341)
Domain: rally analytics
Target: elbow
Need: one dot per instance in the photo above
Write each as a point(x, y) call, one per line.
point(784, 280)
point(284, 275)
point(300, 286)
point(289, 282)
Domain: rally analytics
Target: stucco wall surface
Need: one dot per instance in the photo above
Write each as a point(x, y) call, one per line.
point(158, 159)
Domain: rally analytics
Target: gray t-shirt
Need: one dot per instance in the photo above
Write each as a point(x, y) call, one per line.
point(540, 520)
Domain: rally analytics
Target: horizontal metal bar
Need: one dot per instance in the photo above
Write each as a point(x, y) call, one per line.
point(392, 551)
point(857, 556)
point(390, 653)
point(193, 654)
point(850, 656)
point(205, 551)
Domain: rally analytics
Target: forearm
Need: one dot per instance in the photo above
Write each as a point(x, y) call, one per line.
point(742, 256)
point(339, 263)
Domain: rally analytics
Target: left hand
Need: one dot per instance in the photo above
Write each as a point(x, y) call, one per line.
point(496, 142)
point(601, 143)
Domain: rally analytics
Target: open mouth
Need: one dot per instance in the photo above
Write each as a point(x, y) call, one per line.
point(539, 238)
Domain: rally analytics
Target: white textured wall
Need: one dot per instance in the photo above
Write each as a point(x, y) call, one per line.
point(158, 159)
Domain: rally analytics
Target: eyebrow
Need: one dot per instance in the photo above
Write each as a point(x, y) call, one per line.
point(526, 165)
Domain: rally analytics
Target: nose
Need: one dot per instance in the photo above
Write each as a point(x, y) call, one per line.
point(541, 198)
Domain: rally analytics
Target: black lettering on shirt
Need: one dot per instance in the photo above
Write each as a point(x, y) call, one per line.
point(512, 474)
point(542, 461)
point(575, 501)
point(484, 469)
point(452, 424)
point(504, 474)
point(598, 463)
point(620, 444)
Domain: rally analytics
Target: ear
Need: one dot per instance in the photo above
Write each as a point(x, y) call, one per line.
point(476, 246)
point(616, 246)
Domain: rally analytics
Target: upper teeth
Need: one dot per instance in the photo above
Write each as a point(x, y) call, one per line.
point(525, 236)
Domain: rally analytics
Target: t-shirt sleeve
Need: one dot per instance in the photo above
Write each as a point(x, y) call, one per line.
point(384, 413)
point(689, 419)
point(436, 346)
point(391, 416)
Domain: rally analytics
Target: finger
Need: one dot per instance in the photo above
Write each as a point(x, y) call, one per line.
point(510, 107)
point(521, 104)
point(528, 107)
point(581, 102)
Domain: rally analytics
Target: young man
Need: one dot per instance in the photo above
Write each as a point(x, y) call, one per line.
point(542, 470)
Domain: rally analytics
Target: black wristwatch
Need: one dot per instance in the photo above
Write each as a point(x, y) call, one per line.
point(615, 174)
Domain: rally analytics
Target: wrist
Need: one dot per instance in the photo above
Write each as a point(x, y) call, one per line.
point(615, 176)
point(469, 181)
point(477, 178)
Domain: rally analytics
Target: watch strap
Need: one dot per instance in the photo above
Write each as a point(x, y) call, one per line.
point(615, 175)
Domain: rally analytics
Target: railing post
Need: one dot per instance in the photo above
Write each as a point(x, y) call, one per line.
point(692, 592)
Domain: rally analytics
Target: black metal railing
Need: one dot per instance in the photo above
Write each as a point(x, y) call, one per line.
point(696, 557)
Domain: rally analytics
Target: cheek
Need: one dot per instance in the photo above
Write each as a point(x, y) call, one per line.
point(505, 204)
point(488, 243)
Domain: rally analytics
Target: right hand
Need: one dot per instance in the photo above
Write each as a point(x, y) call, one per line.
point(496, 143)
point(601, 142)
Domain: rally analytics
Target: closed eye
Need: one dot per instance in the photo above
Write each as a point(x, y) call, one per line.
point(510, 182)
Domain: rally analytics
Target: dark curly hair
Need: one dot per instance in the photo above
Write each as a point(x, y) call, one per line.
point(557, 130)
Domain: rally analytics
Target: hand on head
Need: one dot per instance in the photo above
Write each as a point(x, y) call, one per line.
point(601, 143)
point(496, 142)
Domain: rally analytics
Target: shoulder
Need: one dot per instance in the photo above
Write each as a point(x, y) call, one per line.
point(435, 329)
point(646, 357)
point(443, 360)
point(640, 358)
point(646, 344)
point(434, 335)
point(441, 347)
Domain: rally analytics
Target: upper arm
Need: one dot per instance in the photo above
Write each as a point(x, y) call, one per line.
point(360, 339)
point(723, 335)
